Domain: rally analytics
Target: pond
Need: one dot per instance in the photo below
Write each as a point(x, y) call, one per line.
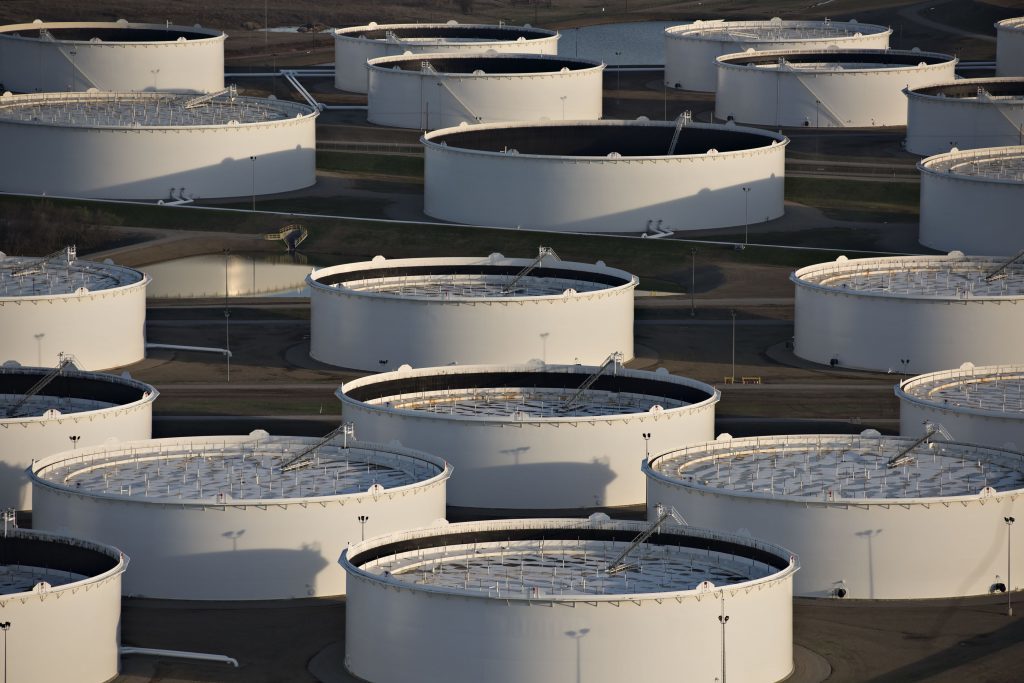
point(246, 275)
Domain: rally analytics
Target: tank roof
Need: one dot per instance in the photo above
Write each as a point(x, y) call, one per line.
point(107, 32)
point(545, 560)
point(920, 277)
point(834, 467)
point(61, 276)
point(447, 32)
point(773, 30)
point(460, 279)
point(28, 558)
point(483, 65)
point(835, 60)
point(983, 90)
point(603, 138)
point(70, 392)
point(996, 390)
point(136, 110)
point(1012, 24)
point(986, 164)
point(526, 393)
point(237, 469)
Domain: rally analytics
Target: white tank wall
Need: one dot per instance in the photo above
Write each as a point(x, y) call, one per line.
point(244, 551)
point(598, 194)
point(25, 439)
point(358, 330)
point(826, 99)
point(690, 62)
point(33, 65)
point(34, 330)
point(973, 215)
point(936, 124)
point(352, 53)
point(427, 100)
point(67, 633)
point(1010, 47)
point(879, 551)
point(538, 464)
point(148, 163)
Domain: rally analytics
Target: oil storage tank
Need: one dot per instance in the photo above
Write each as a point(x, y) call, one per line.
point(825, 88)
point(47, 56)
point(59, 304)
point(534, 436)
point(966, 114)
point(605, 176)
point(381, 314)
point(972, 201)
point(691, 49)
point(155, 146)
point(254, 517)
point(872, 517)
point(48, 410)
point(61, 604)
point(439, 90)
point(909, 314)
point(982, 405)
point(487, 601)
point(355, 45)
point(1010, 47)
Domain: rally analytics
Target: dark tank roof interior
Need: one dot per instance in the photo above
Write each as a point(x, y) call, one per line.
point(470, 269)
point(28, 550)
point(116, 35)
point(599, 141)
point(95, 387)
point(868, 58)
point(491, 65)
point(463, 32)
point(968, 89)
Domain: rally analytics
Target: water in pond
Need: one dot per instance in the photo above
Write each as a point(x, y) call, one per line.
point(246, 275)
point(631, 43)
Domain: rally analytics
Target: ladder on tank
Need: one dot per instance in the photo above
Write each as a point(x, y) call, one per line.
point(427, 67)
point(614, 359)
point(37, 266)
point(1000, 272)
point(620, 564)
point(302, 460)
point(292, 235)
point(682, 121)
point(231, 91)
point(40, 385)
point(904, 458)
point(542, 253)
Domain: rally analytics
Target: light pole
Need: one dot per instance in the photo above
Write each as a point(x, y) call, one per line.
point(563, 106)
point(693, 281)
point(39, 348)
point(618, 75)
point(732, 312)
point(363, 519)
point(647, 445)
point(252, 161)
point(746, 219)
point(5, 626)
point(1009, 586)
point(74, 440)
point(266, 28)
point(723, 619)
point(227, 315)
point(817, 121)
point(74, 70)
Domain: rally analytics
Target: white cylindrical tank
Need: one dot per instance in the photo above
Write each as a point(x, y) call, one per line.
point(825, 88)
point(691, 49)
point(61, 601)
point(110, 55)
point(380, 314)
point(253, 517)
point(95, 312)
point(965, 114)
point(152, 146)
point(982, 405)
point(872, 517)
point(909, 314)
point(972, 201)
point(534, 436)
point(77, 409)
point(439, 90)
point(555, 600)
point(355, 45)
point(605, 176)
point(1010, 47)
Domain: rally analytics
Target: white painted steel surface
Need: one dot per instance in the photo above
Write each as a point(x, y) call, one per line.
point(481, 89)
point(150, 146)
point(982, 405)
point(1010, 47)
point(93, 311)
point(691, 49)
point(93, 406)
point(68, 630)
point(115, 56)
point(883, 548)
point(365, 317)
point(826, 89)
point(463, 634)
point(514, 446)
point(973, 201)
point(217, 543)
point(355, 45)
point(617, 191)
point(917, 314)
point(966, 114)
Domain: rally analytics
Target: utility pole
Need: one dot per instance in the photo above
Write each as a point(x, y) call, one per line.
point(1009, 585)
point(732, 312)
point(723, 619)
point(227, 315)
point(693, 281)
